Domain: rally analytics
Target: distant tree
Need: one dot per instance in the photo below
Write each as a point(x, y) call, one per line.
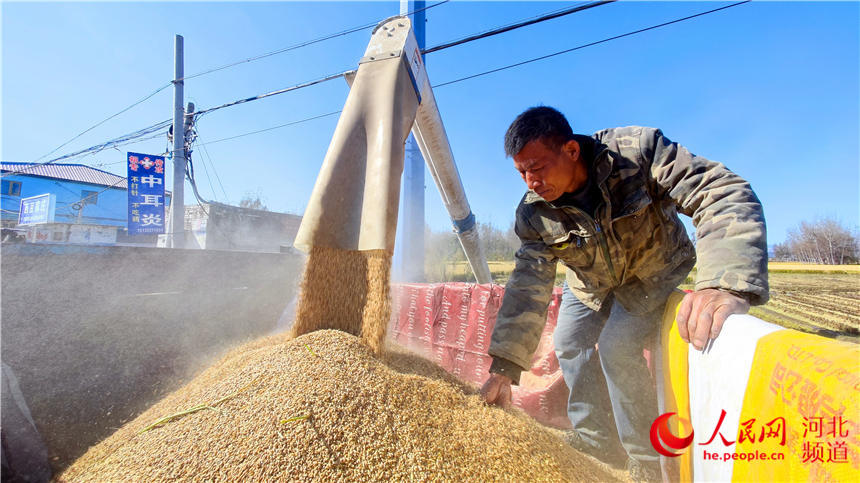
point(782, 252)
point(498, 244)
point(442, 248)
point(824, 241)
point(252, 201)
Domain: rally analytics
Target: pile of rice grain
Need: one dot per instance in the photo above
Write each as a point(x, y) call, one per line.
point(322, 407)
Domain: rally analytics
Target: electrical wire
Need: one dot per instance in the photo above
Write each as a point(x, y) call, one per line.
point(208, 176)
point(125, 139)
point(192, 179)
point(587, 45)
point(274, 93)
point(293, 47)
point(105, 120)
point(489, 71)
point(132, 138)
point(217, 177)
point(274, 127)
point(250, 59)
point(507, 28)
point(303, 44)
point(548, 16)
point(96, 194)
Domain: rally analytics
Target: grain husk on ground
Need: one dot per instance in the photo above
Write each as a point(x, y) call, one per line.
point(322, 407)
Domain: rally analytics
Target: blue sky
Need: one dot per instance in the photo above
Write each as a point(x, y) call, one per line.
point(768, 88)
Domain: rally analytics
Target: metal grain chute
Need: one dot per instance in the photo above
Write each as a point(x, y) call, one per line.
point(354, 203)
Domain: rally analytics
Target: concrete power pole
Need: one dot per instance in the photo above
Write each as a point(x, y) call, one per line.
point(177, 201)
point(412, 209)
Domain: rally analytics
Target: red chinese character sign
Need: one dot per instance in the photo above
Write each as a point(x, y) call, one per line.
point(145, 194)
point(809, 389)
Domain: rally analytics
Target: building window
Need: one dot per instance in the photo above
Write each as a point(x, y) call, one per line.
point(89, 197)
point(11, 188)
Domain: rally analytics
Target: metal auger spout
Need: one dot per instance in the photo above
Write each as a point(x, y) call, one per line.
point(355, 201)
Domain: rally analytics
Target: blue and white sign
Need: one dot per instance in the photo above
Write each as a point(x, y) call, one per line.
point(145, 194)
point(37, 209)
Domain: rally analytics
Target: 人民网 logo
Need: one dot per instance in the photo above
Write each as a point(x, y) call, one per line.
point(661, 435)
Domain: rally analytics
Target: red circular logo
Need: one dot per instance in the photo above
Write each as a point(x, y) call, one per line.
point(660, 432)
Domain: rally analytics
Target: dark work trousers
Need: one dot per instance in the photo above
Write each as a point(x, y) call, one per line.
point(614, 376)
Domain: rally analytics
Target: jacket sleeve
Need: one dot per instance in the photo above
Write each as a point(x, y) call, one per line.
point(731, 241)
point(522, 315)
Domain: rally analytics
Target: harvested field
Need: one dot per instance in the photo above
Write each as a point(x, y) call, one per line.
point(321, 407)
point(797, 267)
point(814, 301)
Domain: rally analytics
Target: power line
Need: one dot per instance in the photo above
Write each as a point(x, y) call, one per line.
point(514, 26)
point(125, 139)
point(104, 121)
point(206, 170)
point(587, 45)
point(250, 59)
point(217, 177)
point(274, 93)
point(548, 16)
point(303, 44)
point(132, 138)
point(468, 39)
point(496, 31)
point(170, 151)
point(462, 78)
point(272, 128)
point(96, 194)
point(291, 123)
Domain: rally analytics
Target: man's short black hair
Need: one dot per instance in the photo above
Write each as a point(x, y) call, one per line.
point(541, 122)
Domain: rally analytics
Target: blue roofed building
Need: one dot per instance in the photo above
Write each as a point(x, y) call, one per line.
point(88, 205)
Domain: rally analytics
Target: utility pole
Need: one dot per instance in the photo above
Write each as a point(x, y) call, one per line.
point(177, 201)
point(412, 209)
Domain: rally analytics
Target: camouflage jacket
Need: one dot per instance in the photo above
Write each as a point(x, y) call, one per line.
point(636, 246)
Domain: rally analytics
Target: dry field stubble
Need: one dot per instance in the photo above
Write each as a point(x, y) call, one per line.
point(814, 301)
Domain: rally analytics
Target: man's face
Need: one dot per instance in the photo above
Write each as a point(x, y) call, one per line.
point(548, 173)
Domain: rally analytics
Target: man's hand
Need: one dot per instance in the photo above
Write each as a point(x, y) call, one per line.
point(497, 390)
point(703, 312)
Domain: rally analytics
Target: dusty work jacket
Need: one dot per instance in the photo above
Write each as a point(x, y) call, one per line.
point(635, 246)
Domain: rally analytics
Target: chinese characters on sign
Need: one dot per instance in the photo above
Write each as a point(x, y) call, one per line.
point(772, 429)
point(37, 209)
point(145, 194)
point(818, 429)
point(824, 440)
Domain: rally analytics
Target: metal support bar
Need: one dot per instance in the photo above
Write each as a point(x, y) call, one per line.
point(409, 258)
